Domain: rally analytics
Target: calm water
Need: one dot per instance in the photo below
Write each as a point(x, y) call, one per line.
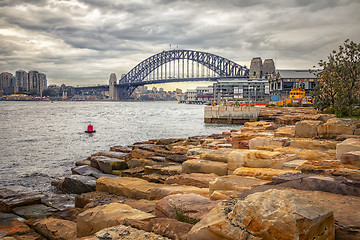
point(41, 141)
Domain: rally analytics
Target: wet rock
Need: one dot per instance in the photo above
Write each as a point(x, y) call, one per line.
point(349, 145)
point(193, 179)
point(306, 143)
point(166, 190)
point(264, 141)
point(163, 169)
point(124, 149)
point(102, 197)
point(137, 172)
point(273, 214)
point(78, 184)
point(53, 228)
point(307, 128)
point(262, 173)
point(331, 168)
point(176, 158)
point(193, 207)
point(170, 228)
point(95, 219)
point(107, 164)
point(352, 158)
point(69, 214)
point(234, 183)
point(58, 201)
point(34, 211)
point(125, 233)
point(197, 151)
point(86, 170)
point(155, 178)
point(204, 166)
point(12, 227)
point(134, 188)
point(83, 162)
point(336, 126)
point(255, 159)
point(337, 185)
point(158, 159)
point(10, 199)
point(113, 154)
point(138, 153)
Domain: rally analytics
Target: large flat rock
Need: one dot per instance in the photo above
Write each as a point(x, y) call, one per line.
point(53, 228)
point(261, 173)
point(166, 190)
point(135, 188)
point(204, 166)
point(200, 180)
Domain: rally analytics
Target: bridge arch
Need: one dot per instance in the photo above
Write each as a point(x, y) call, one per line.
point(222, 66)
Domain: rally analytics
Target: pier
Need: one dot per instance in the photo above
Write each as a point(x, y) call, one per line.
point(230, 114)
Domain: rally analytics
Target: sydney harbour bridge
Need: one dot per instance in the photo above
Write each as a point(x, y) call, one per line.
point(175, 66)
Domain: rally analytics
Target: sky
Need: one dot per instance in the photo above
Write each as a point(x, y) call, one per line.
point(81, 42)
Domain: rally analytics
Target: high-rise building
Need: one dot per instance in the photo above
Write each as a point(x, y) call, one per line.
point(6, 83)
point(112, 89)
point(22, 81)
point(256, 68)
point(37, 80)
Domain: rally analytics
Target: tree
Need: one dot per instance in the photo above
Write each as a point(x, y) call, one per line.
point(33, 92)
point(337, 86)
point(50, 92)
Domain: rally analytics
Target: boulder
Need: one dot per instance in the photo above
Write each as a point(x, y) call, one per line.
point(264, 141)
point(336, 126)
point(107, 164)
point(34, 211)
point(307, 128)
point(78, 184)
point(166, 190)
point(287, 119)
point(241, 140)
point(306, 143)
point(134, 188)
point(193, 207)
point(304, 154)
point(124, 149)
point(349, 145)
point(125, 233)
point(176, 158)
point(273, 214)
point(155, 178)
point(352, 158)
point(53, 228)
point(260, 124)
point(139, 153)
point(255, 159)
point(170, 228)
point(86, 170)
point(343, 137)
point(331, 168)
point(234, 183)
point(261, 173)
point(219, 155)
point(193, 179)
point(100, 217)
point(83, 162)
point(10, 199)
point(287, 131)
point(197, 151)
point(204, 166)
point(113, 154)
point(10, 226)
point(142, 205)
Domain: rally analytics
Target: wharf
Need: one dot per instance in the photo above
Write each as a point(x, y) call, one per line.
point(230, 114)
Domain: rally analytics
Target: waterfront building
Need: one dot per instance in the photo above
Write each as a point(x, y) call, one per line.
point(205, 94)
point(191, 95)
point(22, 81)
point(282, 81)
point(242, 90)
point(7, 83)
point(259, 70)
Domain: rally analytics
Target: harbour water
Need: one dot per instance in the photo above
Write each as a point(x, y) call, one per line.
point(41, 141)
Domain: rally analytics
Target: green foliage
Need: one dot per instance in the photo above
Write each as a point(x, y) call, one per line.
point(289, 105)
point(337, 87)
point(181, 217)
point(33, 92)
point(50, 92)
point(236, 103)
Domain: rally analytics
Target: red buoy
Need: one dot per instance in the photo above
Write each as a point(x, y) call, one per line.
point(90, 129)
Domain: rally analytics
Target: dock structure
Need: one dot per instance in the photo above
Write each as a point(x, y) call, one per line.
point(230, 114)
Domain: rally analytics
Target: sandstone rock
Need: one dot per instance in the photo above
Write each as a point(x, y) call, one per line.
point(204, 166)
point(53, 228)
point(158, 159)
point(197, 151)
point(352, 158)
point(305, 143)
point(163, 169)
point(34, 211)
point(155, 178)
point(325, 117)
point(142, 205)
point(272, 214)
point(349, 145)
point(10, 199)
point(193, 179)
point(166, 190)
point(107, 164)
point(219, 155)
point(82, 162)
point(241, 140)
point(304, 154)
point(191, 206)
point(260, 124)
point(124, 149)
point(233, 182)
point(287, 119)
point(222, 194)
point(170, 228)
point(98, 218)
point(343, 137)
point(10, 226)
point(69, 214)
point(287, 131)
point(307, 128)
point(264, 141)
point(261, 173)
point(176, 158)
point(78, 184)
point(255, 159)
point(135, 188)
point(294, 164)
point(335, 126)
point(101, 198)
point(138, 153)
point(113, 154)
point(125, 233)
point(86, 170)
point(137, 172)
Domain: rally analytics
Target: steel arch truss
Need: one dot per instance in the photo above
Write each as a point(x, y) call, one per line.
point(222, 66)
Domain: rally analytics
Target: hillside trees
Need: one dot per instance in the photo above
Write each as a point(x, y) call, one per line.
point(338, 85)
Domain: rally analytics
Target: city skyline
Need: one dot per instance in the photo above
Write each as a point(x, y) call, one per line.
point(82, 42)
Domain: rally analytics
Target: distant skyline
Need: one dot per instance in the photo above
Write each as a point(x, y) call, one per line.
point(80, 42)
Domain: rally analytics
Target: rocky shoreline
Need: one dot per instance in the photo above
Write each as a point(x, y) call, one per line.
point(293, 175)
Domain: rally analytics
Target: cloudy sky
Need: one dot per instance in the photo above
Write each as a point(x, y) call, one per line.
point(80, 42)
